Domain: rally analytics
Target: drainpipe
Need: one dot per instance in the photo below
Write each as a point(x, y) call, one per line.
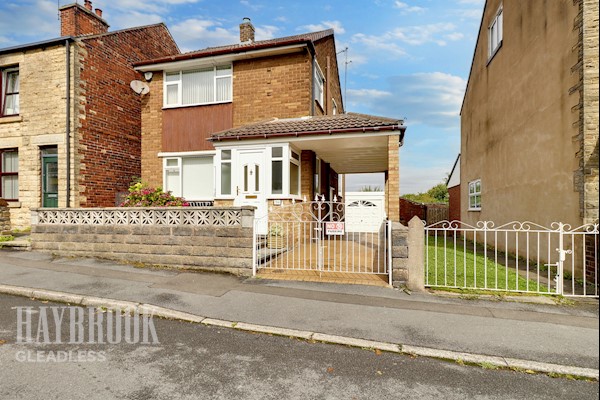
point(312, 86)
point(68, 120)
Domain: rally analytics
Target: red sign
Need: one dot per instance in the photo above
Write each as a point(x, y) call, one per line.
point(335, 228)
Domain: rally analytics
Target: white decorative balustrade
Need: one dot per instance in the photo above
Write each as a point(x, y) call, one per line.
point(190, 216)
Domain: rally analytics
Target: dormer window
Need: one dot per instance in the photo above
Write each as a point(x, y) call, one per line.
point(198, 86)
point(10, 91)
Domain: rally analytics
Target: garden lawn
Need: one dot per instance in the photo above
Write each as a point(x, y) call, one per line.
point(473, 271)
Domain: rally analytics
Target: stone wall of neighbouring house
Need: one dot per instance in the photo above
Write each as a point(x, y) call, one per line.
point(201, 238)
point(41, 122)
point(5, 228)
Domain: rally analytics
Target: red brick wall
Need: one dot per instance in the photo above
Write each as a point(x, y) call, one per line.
point(454, 203)
point(110, 132)
point(409, 209)
point(76, 20)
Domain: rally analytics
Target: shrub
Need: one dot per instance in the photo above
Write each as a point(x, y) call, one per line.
point(141, 195)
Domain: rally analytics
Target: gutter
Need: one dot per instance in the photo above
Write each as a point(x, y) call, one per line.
point(401, 128)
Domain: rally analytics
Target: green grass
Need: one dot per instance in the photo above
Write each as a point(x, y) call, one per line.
point(473, 271)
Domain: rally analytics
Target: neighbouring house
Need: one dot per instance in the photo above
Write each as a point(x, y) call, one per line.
point(195, 95)
point(453, 185)
point(69, 121)
point(529, 119)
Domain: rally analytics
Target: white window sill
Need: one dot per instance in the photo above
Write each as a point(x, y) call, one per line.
point(195, 105)
point(474, 209)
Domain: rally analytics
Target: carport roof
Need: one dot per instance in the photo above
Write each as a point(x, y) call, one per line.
point(309, 126)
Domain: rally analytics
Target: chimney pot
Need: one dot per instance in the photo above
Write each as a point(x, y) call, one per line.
point(99, 12)
point(88, 4)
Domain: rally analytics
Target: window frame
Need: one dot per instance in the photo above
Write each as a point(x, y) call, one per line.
point(295, 161)
point(496, 31)
point(179, 169)
point(319, 89)
point(4, 72)
point(473, 194)
point(179, 84)
point(3, 173)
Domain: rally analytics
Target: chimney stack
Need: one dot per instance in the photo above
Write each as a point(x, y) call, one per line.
point(246, 31)
point(77, 20)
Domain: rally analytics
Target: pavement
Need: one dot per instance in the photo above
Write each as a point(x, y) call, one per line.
point(531, 334)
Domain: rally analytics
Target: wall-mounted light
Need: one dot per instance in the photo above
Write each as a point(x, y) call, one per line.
point(148, 75)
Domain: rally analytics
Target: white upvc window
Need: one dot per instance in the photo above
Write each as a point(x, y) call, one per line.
point(475, 195)
point(211, 85)
point(225, 173)
point(294, 173)
point(190, 177)
point(495, 32)
point(319, 85)
point(277, 170)
point(334, 110)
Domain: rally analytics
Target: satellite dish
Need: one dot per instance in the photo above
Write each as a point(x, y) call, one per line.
point(139, 87)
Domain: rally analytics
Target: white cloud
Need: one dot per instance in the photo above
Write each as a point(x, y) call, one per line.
point(132, 18)
point(252, 6)
point(406, 8)
point(431, 98)
point(471, 2)
point(379, 43)
point(265, 32)
point(335, 25)
point(194, 34)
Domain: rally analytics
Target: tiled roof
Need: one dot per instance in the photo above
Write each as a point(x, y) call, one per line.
point(330, 124)
point(246, 46)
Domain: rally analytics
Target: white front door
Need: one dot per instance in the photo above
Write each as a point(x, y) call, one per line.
point(251, 184)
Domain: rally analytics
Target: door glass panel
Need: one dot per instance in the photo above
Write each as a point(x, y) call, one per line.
point(256, 178)
point(246, 178)
point(52, 177)
point(226, 178)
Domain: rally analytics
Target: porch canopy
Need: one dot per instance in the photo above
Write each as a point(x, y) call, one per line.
point(349, 143)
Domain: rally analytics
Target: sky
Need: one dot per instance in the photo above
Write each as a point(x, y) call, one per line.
point(405, 59)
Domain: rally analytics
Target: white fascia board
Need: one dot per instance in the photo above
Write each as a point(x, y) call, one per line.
point(234, 143)
point(187, 153)
point(179, 65)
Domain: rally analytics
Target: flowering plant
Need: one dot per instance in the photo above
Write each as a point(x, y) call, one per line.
point(141, 195)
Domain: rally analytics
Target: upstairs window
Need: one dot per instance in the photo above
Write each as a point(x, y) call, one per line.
point(199, 86)
point(319, 85)
point(9, 174)
point(495, 33)
point(475, 195)
point(10, 91)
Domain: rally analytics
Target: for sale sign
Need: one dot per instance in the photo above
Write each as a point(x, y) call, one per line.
point(335, 228)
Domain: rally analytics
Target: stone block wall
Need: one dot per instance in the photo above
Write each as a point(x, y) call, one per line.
point(408, 262)
point(202, 239)
point(4, 218)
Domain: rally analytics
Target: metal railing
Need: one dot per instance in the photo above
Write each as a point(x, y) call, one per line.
point(513, 257)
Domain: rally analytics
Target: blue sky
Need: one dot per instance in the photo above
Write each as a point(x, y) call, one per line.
point(408, 59)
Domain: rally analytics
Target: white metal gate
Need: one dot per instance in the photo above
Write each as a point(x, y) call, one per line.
point(312, 236)
point(514, 257)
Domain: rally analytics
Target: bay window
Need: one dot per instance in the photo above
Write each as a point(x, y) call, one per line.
point(198, 86)
point(276, 170)
point(294, 173)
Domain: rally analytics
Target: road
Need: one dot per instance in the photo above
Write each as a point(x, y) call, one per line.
point(198, 362)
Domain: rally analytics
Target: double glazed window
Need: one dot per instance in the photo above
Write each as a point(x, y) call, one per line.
point(9, 174)
point(319, 85)
point(495, 33)
point(9, 81)
point(190, 177)
point(475, 195)
point(198, 86)
point(277, 171)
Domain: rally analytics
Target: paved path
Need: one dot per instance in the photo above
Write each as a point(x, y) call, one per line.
point(549, 333)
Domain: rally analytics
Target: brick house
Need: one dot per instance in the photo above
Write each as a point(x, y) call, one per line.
point(202, 104)
point(69, 122)
point(529, 119)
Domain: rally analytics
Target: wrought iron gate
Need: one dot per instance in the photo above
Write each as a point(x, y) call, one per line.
point(312, 236)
